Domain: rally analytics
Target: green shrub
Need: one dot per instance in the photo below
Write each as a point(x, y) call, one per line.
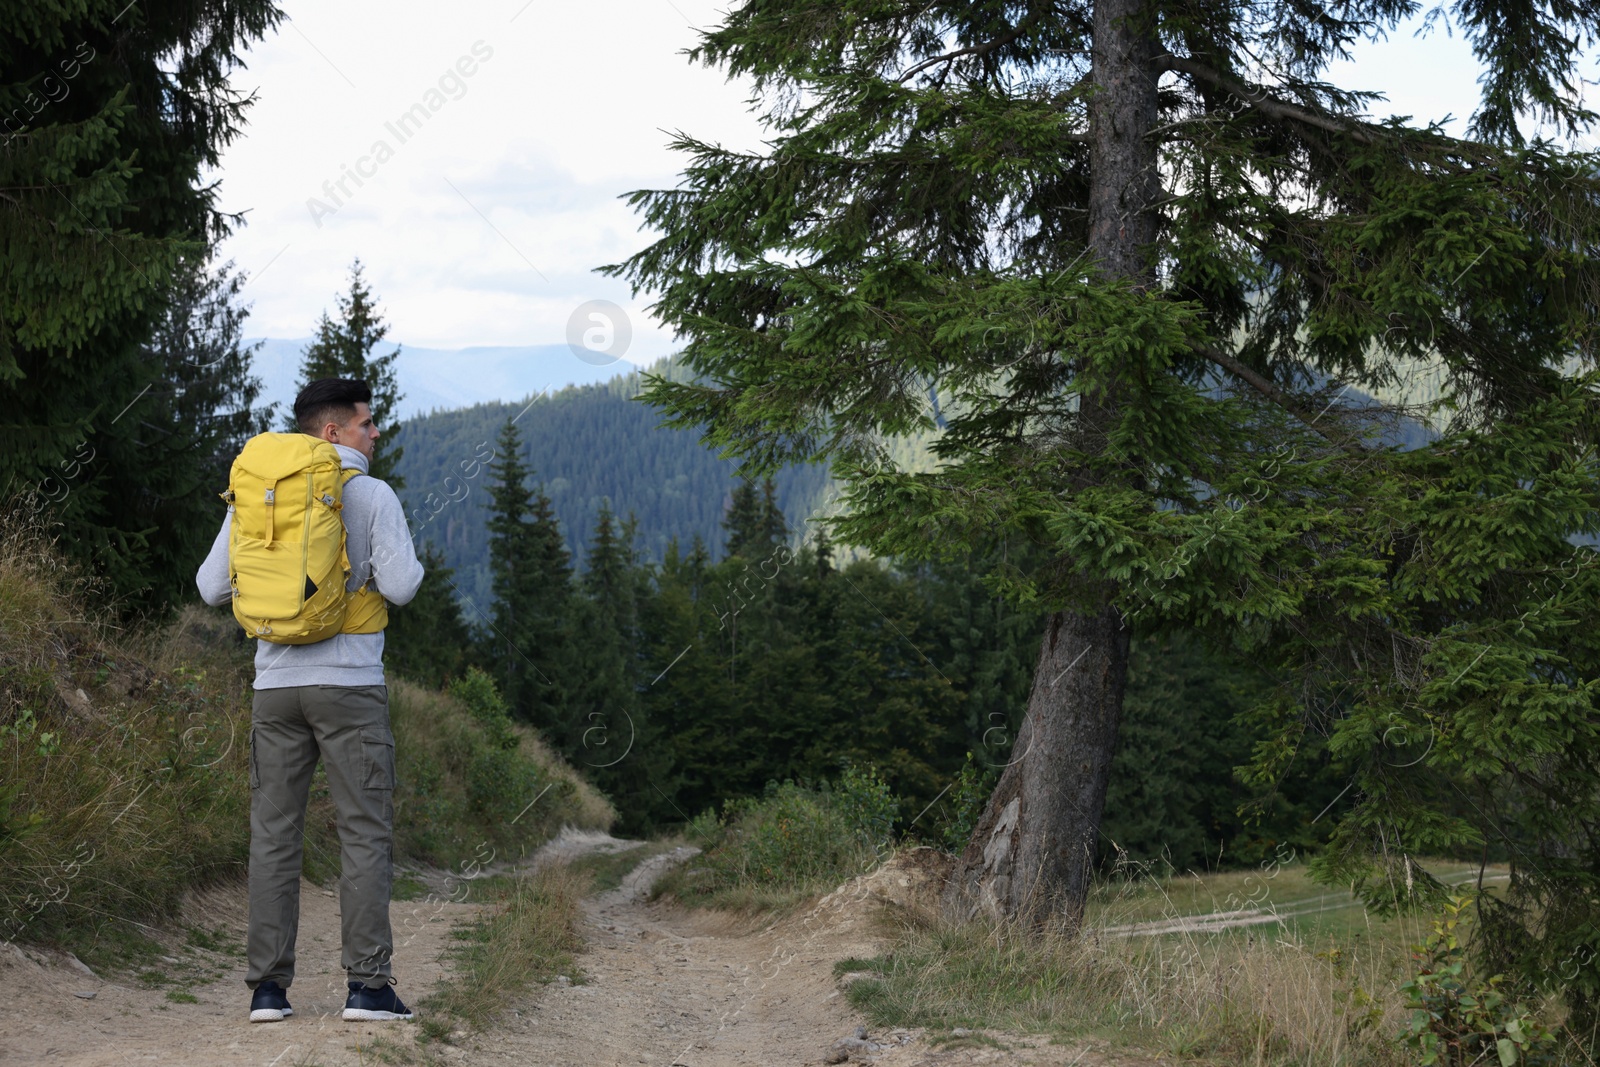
point(501, 781)
point(791, 842)
point(791, 834)
point(1458, 1020)
point(863, 800)
point(964, 804)
point(477, 691)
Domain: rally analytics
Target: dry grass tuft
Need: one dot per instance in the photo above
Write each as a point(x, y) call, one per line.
point(531, 935)
point(1233, 1000)
point(1317, 986)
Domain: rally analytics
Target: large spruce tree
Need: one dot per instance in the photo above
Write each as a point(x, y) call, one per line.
point(754, 523)
point(109, 117)
point(1129, 256)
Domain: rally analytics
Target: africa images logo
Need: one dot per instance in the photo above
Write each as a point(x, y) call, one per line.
point(402, 129)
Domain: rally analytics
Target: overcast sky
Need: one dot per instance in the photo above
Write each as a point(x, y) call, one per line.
point(484, 225)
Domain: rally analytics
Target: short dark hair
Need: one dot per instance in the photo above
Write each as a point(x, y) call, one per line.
point(329, 400)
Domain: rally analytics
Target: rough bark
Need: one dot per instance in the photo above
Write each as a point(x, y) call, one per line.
point(1031, 857)
point(1032, 854)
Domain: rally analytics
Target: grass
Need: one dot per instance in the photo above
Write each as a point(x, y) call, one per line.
point(605, 870)
point(487, 888)
point(218, 940)
point(1284, 890)
point(473, 786)
point(123, 779)
point(388, 1051)
point(1215, 999)
point(746, 900)
point(1317, 987)
point(124, 768)
point(406, 887)
point(530, 936)
point(771, 853)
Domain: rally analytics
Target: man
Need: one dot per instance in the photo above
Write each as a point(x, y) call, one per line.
point(327, 700)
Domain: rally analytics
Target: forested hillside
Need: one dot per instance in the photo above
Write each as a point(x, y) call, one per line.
point(714, 645)
point(586, 444)
point(755, 655)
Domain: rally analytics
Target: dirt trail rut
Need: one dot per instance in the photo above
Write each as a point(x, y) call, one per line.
point(663, 987)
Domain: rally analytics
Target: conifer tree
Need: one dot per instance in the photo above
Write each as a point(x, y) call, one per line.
point(774, 529)
point(754, 523)
point(185, 433)
point(1140, 252)
point(344, 349)
point(698, 559)
point(139, 494)
point(512, 572)
point(551, 567)
point(608, 574)
point(528, 646)
point(609, 636)
point(743, 520)
point(428, 640)
point(687, 696)
point(618, 743)
point(822, 545)
point(109, 120)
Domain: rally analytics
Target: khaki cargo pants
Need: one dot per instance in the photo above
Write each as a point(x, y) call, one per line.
point(347, 727)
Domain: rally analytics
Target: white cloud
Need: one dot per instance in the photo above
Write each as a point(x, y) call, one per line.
point(564, 115)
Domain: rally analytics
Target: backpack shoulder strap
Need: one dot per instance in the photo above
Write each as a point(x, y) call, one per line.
point(348, 475)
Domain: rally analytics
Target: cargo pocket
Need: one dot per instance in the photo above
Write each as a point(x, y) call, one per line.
point(377, 750)
point(255, 768)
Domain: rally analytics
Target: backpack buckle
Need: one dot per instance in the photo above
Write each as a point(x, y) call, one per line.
point(271, 493)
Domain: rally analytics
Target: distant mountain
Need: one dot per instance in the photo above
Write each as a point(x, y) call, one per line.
point(586, 443)
point(435, 379)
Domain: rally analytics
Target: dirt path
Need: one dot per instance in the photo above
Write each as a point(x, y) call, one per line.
point(190, 1007)
point(663, 987)
point(677, 988)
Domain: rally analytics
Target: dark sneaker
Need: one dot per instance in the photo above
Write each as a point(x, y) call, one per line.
point(374, 1005)
point(270, 1004)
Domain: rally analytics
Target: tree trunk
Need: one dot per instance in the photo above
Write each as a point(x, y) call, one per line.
point(1032, 854)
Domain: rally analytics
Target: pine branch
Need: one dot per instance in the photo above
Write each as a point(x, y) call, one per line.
point(1266, 388)
point(1269, 105)
point(976, 50)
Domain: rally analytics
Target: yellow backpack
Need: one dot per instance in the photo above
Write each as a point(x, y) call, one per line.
point(286, 549)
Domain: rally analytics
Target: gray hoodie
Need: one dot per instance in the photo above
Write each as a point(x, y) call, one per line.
point(379, 544)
